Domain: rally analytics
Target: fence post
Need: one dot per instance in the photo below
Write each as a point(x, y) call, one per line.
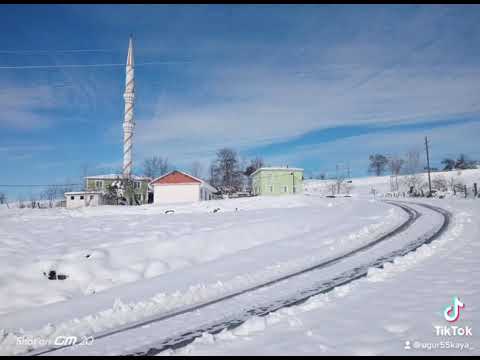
point(475, 190)
point(465, 189)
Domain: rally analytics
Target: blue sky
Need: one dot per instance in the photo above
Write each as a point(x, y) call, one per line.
point(303, 85)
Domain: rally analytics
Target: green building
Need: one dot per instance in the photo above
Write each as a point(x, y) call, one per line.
point(101, 183)
point(277, 181)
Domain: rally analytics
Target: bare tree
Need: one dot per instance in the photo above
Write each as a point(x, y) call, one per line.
point(329, 187)
point(254, 165)
point(439, 182)
point(4, 199)
point(449, 164)
point(225, 171)
point(454, 184)
point(395, 164)
point(339, 179)
point(33, 201)
point(155, 166)
point(463, 162)
point(85, 171)
point(51, 193)
point(378, 162)
point(413, 182)
point(214, 178)
point(196, 169)
point(20, 199)
point(412, 164)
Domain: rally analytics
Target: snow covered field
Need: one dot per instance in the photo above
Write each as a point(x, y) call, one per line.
point(377, 315)
point(125, 264)
point(98, 248)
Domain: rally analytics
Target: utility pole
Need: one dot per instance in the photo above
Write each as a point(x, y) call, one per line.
point(293, 189)
point(428, 168)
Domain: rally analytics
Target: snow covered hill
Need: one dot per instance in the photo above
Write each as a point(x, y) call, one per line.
point(382, 184)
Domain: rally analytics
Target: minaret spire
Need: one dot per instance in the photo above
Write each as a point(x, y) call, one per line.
point(128, 121)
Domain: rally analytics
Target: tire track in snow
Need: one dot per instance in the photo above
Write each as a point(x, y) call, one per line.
point(188, 337)
point(343, 279)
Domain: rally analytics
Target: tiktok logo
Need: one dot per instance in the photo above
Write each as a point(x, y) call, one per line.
point(452, 312)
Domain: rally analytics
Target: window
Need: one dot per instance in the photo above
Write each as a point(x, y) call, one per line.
point(285, 189)
point(72, 197)
point(210, 197)
point(99, 184)
point(91, 197)
point(271, 188)
point(136, 185)
point(81, 197)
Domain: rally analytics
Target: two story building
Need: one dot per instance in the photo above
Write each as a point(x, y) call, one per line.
point(97, 186)
point(102, 182)
point(277, 181)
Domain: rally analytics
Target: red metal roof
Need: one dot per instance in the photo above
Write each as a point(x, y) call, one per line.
point(176, 177)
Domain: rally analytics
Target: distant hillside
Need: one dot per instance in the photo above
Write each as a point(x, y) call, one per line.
point(381, 184)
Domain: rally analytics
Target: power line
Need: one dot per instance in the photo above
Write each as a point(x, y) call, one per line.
point(27, 52)
point(56, 51)
point(21, 67)
point(36, 185)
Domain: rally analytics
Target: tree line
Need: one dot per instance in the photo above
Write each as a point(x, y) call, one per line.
point(411, 164)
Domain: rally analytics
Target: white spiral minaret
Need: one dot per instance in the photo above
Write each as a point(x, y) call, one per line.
point(128, 122)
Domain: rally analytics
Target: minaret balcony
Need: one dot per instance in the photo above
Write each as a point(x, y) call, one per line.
point(128, 126)
point(129, 97)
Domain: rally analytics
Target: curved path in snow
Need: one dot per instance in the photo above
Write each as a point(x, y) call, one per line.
point(179, 328)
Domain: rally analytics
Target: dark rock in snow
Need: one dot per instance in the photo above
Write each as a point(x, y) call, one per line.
point(169, 211)
point(52, 275)
point(216, 210)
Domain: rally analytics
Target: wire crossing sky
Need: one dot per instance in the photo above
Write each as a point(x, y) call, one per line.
point(15, 67)
point(309, 86)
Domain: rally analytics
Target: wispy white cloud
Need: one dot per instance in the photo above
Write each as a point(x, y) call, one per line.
point(22, 107)
point(256, 106)
point(446, 141)
point(387, 71)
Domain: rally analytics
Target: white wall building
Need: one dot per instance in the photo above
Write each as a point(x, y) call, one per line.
point(178, 187)
point(77, 199)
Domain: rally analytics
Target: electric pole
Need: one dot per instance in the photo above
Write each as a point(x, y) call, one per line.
point(428, 168)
